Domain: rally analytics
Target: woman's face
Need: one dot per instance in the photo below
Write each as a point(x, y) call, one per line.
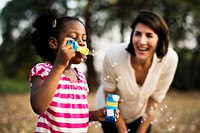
point(145, 42)
point(76, 31)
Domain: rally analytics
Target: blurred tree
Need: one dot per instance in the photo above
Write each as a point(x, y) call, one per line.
point(16, 55)
point(182, 16)
point(91, 72)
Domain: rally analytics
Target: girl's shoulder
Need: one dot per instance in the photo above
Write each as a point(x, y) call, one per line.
point(43, 64)
point(41, 69)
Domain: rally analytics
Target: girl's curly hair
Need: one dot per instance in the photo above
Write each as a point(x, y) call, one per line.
point(48, 25)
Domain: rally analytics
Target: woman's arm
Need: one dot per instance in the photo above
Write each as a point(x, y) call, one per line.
point(152, 105)
point(121, 125)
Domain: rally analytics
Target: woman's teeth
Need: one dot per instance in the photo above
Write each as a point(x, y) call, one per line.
point(142, 49)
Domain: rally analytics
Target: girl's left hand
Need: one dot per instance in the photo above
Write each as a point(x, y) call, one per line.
point(101, 113)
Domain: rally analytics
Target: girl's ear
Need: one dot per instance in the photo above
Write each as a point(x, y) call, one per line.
point(53, 43)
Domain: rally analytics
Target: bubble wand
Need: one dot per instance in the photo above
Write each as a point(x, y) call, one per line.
point(76, 47)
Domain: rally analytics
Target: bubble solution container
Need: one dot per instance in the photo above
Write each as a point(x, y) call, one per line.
point(76, 47)
point(111, 107)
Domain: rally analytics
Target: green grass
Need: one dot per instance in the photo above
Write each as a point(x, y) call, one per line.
point(14, 86)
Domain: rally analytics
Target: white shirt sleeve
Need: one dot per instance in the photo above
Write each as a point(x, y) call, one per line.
point(167, 76)
point(108, 74)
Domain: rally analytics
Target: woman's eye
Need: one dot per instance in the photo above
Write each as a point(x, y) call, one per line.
point(137, 33)
point(149, 36)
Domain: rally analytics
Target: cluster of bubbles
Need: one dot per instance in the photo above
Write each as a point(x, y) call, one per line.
point(168, 118)
point(162, 118)
point(91, 53)
point(95, 124)
point(107, 77)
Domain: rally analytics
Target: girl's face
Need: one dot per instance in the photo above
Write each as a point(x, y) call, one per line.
point(76, 31)
point(145, 42)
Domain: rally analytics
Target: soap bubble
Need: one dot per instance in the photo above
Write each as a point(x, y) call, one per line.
point(118, 78)
point(114, 64)
point(106, 78)
point(154, 121)
point(144, 118)
point(164, 119)
point(163, 108)
point(171, 128)
point(92, 52)
point(94, 125)
point(169, 119)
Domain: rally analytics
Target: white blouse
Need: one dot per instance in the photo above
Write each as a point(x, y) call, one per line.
point(118, 75)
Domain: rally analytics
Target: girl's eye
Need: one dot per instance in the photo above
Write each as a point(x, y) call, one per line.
point(73, 38)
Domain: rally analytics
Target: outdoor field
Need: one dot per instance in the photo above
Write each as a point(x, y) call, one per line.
point(179, 113)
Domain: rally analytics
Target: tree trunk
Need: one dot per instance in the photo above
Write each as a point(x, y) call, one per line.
point(91, 72)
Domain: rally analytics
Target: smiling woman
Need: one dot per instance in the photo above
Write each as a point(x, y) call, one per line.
point(139, 72)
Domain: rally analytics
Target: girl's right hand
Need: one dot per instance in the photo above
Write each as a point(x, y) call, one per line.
point(65, 53)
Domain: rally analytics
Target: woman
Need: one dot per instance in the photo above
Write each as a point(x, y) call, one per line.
point(140, 72)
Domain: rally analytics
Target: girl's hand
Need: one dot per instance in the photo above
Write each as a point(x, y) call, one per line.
point(65, 53)
point(102, 112)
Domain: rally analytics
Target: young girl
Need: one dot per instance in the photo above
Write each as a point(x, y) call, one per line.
point(59, 92)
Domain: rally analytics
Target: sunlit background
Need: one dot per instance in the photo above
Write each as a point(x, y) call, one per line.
point(3, 3)
point(110, 22)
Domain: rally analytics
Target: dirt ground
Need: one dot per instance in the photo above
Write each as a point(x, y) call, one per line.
point(179, 113)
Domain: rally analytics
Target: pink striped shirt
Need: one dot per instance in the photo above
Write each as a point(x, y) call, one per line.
point(68, 111)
